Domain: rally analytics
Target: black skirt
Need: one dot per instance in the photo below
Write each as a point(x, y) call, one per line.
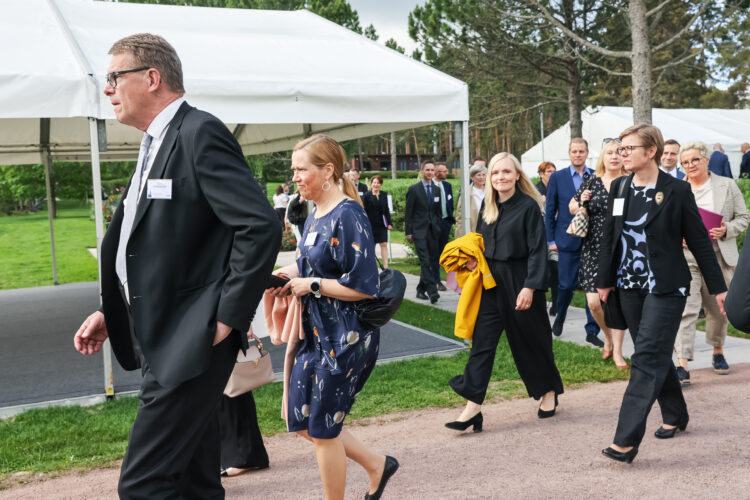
point(380, 234)
point(241, 442)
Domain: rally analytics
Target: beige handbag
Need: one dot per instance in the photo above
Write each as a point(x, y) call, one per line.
point(251, 371)
point(579, 225)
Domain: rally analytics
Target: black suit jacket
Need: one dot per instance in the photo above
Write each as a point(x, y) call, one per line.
point(205, 255)
point(738, 298)
point(377, 208)
point(677, 217)
point(449, 201)
point(745, 165)
point(422, 217)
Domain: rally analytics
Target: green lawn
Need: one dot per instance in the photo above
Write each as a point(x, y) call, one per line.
point(25, 253)
point(63, 438)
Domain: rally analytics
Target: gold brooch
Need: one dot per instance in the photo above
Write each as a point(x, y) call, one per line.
point(659, 198)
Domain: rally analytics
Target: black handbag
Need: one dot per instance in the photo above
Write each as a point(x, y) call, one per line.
point(374, 313)
point(613, 316)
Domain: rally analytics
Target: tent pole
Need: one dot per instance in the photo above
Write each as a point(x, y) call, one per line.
point(99, 222)
point(44, 129)
point(465, 186)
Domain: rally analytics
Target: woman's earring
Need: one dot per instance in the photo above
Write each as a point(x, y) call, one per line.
point(326, 186)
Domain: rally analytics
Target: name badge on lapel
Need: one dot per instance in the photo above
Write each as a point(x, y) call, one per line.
point(437, 199)
point(618, 206)
point(159, 189)
point(310, 240)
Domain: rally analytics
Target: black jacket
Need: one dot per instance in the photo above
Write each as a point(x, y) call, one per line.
point(518, 235)
point(202, 256)
point(677, 217)
point(422, 217)
point(738, 298)
point(377, 208)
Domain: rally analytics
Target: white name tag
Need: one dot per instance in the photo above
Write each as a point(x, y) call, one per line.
point(159, 189)
point(310, 240)
point(437, 199)
point(618, 206)
point(450, 197)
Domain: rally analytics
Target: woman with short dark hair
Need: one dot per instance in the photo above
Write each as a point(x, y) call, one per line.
point(375, 202)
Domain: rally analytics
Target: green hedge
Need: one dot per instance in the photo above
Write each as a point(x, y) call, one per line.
point(744, 185)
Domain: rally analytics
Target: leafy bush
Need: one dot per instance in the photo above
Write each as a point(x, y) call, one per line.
point(288, 241)
point(744, 185)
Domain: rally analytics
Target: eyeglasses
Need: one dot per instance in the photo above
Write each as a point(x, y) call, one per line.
point(694, 162)
point(111, 78)
point(607, 140)
point(629, 149)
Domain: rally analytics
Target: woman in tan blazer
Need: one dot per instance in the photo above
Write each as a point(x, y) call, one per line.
point(720, 195)
point(478, 175)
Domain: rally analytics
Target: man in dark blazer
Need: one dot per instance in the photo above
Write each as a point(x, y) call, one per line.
point(446, 209)
point(719, 162)
point(650, 214)
point(738, 298)
point(669, 159)
point(183, 267)
point(423, 221)
point(361, 187)
point(561, 188)
point(745, 164)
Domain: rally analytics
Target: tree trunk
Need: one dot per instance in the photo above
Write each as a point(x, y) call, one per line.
point(416, 150)
point(575, 101)
point(393, 155)
point(641, 62)
point(361, 158)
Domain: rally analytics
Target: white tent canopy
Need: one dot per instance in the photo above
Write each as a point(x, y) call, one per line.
point(281, 74)
point(726, 126)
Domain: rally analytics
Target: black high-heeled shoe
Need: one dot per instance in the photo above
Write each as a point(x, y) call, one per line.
point(547, 413)
point(663, 433)
point(389, 469)
point(476, 421)
point(620, 456)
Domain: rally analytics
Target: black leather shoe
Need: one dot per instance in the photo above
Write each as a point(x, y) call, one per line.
point(620, 456)
point(476, 421)
point(421, 295)
point(553, 311)
point(663, 433)
point(547, 413)
point(557, 327)
point(390, 468)
point(441, 287)
point(434, 298)
point(594, 340)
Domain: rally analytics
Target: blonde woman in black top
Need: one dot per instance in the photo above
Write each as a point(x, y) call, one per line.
point(515, 247)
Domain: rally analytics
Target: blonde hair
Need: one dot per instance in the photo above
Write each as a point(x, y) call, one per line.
point(490, 195)
point(649, 135)
point(698, 146)
point(323, 150)
point(600, 168)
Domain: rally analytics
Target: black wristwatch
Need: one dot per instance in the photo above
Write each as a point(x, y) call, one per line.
point(315, 287)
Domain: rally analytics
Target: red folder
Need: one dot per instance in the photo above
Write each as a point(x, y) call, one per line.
point(710, 220)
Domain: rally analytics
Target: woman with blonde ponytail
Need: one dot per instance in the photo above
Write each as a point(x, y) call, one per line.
point(515, 247)
point(336, 267)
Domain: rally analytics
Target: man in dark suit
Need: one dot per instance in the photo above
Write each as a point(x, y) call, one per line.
point(561, 188)
point(719, 162)
point(446, 209)
point(670, 158)
point(354, 176)
point(422, 221)
point(650, 214)
point(745, 165)
point(183, 267)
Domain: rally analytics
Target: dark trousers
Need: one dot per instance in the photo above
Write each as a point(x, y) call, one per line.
point(653, 321)
point(445, 232)
point(241, 441)
point(426, 252)
point(552, 282)
point(530, 341)
point(174, 449)
point(567, 275)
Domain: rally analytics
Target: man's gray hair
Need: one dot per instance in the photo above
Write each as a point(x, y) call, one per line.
point(155, 52)
point(475, 169)
point(698, 146)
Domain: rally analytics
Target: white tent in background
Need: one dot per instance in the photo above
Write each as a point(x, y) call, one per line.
point(730, 127)
point(273, 77)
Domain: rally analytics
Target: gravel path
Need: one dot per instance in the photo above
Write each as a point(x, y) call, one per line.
point(517, 456)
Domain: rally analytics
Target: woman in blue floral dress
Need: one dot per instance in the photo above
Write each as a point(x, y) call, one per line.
point(336, 267)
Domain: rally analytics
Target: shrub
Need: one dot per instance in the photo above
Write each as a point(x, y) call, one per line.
point(288, 241)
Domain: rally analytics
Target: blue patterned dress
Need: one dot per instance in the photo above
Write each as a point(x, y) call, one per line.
point(338, 353)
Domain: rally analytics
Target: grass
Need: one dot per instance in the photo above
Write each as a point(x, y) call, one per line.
point(407, 265)
point(75, 437)
point(26, 256)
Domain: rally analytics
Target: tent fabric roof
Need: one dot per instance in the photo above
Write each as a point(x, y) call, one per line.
point(270, 70)
point(726, 126)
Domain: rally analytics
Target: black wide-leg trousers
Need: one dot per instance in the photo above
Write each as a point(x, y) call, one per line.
point(529, 337)
point(174, 446)
point(653, 321)
point(427, 251)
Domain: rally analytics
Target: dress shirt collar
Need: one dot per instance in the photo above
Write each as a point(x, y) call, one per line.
point(160, 123)
point(574, 172)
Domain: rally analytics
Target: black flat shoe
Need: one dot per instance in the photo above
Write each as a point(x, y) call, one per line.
point(663, 433)
point(421, 295)
point(390, 468)
point(547, 413)
point(476, 421)
point(620, 456)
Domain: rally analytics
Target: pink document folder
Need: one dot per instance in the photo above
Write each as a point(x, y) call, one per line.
point(710, 220)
